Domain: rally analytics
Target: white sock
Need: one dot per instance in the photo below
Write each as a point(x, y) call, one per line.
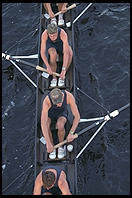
point(61, 16)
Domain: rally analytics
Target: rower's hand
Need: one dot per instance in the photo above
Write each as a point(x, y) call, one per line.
point(70, 137)
point(64, 9)
point(49, 71)
point(62, 74)
point(50, 147)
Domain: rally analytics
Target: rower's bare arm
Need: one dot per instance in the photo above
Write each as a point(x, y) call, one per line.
point(38, 184)
point(64, 8)
point(44, 120)
point(44, 38)
point(64, 38)
point(49, 9)
point(63, 185)
point(74, 109)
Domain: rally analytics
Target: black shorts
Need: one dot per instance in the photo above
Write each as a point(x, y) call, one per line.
point(54, 116)
point(58, 46)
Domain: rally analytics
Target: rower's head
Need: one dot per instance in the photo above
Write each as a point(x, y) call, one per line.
point(56, 96)
point(52, 31)
point(48, 178)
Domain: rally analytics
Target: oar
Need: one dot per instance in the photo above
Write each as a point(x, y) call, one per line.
point(106, 118)
point(68, 8)
point(79, 133)
point(28, 56)
point(8, 57)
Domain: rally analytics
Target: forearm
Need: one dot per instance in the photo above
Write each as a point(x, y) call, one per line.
point(75, 123)
point(65, 58)
point(45, 133)
point(45, 60)
point(48, 6)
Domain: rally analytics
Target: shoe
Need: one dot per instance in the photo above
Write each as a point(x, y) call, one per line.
point(53, 154)
point(61, 82)
point(61, 152)
point(53, 82)
point(61, 22)
point(53, 21)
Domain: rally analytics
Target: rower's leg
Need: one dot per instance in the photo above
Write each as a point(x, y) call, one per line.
point(60, 6)
point(49, 130)
point(61, 129)
point(53, 56)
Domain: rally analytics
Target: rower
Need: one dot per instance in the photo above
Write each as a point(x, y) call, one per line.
point(51, 180)
point(61, 7)
point(54, 40)
point(55, 107)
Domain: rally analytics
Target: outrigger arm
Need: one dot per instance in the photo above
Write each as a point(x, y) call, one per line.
point(103, 121)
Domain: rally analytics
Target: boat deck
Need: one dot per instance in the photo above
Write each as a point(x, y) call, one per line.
point(41, 155)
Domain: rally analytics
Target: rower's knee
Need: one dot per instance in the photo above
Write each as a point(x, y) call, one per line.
point(53, 54)
point(60, 126)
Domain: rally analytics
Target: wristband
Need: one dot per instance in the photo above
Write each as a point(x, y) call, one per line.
point(72, 132)
point(63, 68)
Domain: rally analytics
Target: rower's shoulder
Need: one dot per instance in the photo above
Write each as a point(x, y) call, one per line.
point(68, 93)
point(44, 34)
point(46, 100)
point(63, 32)
point(62, 176)
point(70, 96)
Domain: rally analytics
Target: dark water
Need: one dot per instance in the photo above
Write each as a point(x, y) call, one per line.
point(102, 60)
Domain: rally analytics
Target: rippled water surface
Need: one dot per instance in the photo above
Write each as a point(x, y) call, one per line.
point(102, 60)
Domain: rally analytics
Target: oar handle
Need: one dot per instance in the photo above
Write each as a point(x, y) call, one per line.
point(64, 142)
point(43, 69)
point(68, 8)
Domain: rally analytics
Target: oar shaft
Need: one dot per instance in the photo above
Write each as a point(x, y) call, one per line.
point(124, 107)
point(43, 69)
point(68, 8)
point(25, 63)
point(79, 133)
point(82, 13)
point(90, 127)
point(8, 57)
point(64, 142)
point(24, 74)
point(92, 138)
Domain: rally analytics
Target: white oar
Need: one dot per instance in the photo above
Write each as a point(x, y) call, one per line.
point(91, 138)
point(68, 8)
point(8, 57)
point(91, 119)
point(82, 12)
point(106, 118)
point(23, 73)
point(29, 56)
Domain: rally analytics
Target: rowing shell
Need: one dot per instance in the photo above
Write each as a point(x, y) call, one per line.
point(41, 155)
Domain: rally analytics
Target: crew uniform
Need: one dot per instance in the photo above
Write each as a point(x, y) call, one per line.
point(57, 44)
point(55, 112)
point(55, 189)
